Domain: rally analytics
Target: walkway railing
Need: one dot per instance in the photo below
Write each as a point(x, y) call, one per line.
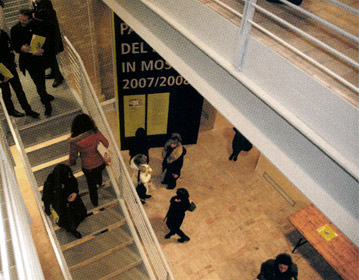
point(251, 7)
point(19, 259)
point(77, 75)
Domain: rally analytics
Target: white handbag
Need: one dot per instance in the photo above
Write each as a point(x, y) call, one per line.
point(104, 152)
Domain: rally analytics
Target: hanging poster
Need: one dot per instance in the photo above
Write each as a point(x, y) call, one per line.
point(157, 113)
point(151, 93)
point(134, 113)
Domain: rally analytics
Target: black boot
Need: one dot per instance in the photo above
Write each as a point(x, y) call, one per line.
point(48, 109)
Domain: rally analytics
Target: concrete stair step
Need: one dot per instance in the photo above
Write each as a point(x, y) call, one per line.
point(92, 225)
point(98, 247)
point(109, 266)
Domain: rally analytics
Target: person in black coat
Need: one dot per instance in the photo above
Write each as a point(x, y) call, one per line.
point(44, 11)
point(282, 268)
point(172, 154)
point(35, 63)
point(62, 193)
point(7, 59)
point(179, 204)
point(239, 143)
point(140, 144)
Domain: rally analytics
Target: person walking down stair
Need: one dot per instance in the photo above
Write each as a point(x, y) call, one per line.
point(43, 10)
point(83, 142)
point(61, 194)
point(179, 204)
point(33, 58)
point(7, 59)
point(172, 154)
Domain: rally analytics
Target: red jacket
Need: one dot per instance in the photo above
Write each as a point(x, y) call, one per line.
point(85, 144)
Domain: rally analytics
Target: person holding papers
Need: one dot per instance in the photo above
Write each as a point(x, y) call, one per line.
point(9, 76)
point(31, 40)
point(44, 11)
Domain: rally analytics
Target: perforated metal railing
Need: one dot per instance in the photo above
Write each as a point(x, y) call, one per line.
point(19, 259)
point(152, 254)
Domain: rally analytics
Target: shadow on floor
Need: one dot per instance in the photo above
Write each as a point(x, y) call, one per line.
point(311, 255)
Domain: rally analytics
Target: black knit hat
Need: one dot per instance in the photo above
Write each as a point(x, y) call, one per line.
point(284, 259)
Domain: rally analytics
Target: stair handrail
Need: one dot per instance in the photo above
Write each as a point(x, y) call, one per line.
point(118, 167)
point(35, 188)
point(26, 259)
point(249, 21)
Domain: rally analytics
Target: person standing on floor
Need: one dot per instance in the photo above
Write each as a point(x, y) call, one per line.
point(83, 142)
point(239, 143)
point(61, 193)
point(173, 153)
point(282, 268)
point(179, 204)
point(34, 62)
point(44, 11)
point(143, 172)
point(140, 144)
point(7, 59)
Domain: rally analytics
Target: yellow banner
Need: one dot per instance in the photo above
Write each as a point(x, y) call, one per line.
point(157, 113)
point(134, 112)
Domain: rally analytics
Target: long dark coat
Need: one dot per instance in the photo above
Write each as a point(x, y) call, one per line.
point(44, 11)
point(176, 212)
point(57, 188)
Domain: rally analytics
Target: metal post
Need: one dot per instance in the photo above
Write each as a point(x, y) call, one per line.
point(244, 32)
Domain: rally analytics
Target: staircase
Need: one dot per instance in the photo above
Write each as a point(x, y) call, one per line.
point(107, 249)
point(12, 265)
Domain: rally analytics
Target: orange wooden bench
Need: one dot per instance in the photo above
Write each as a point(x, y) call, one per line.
point(334, 246)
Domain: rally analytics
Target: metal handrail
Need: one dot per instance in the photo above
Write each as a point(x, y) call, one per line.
point(25, 256)
point(331, 50)
point(35, 188)
point(128, 191)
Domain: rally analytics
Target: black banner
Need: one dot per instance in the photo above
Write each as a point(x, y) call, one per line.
point(151, 94)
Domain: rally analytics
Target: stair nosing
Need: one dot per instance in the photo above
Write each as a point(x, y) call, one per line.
point(40, 122)
point(101, 255)
point(90, 236)
point(122, 270)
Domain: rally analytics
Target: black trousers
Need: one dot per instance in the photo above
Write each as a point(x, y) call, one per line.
point(94, 178)
point(54, 66)
point(17, 87)
point(37, 74)
point(176, 230)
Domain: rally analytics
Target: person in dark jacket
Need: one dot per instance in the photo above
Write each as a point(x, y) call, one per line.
point(33, 61)
point(7, 59)
point(44, 11)
point(282, 268)
point(140, 144)
point(62, 194)
point(239, 143)
point(179, 204)
point(172, 154)
point(83, 142)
